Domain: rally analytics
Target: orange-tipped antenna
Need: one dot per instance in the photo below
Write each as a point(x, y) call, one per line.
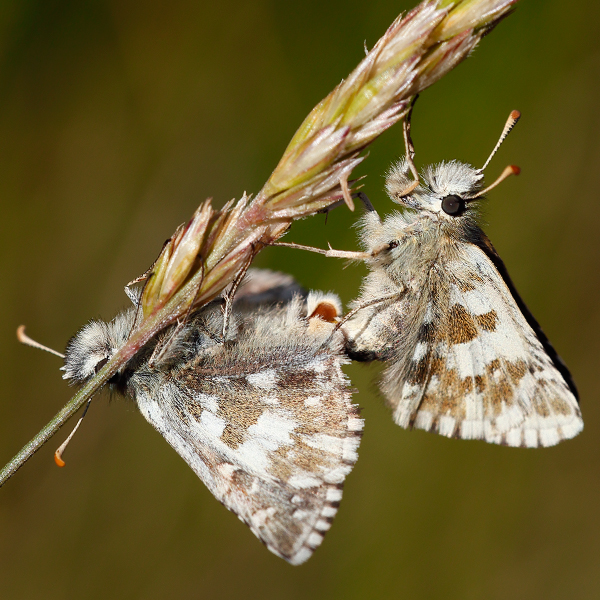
point(25, 339)
point(508, 171)
point(514, 116)
point(58, 454)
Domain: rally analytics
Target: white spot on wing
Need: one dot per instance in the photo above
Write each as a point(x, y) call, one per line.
point(420, 351)
point(333, 495)
point(514, 437)
point(531, 438)
point(337, 475)
point(446, 425)
point(322, 525)
point(300, 515)
point(327, 443)
point(478, 303)
point(208, 401)
point(226, 470)
point(303, 481)
point(350, 447)
point(316, 366)
point(259, 518)
point(355, 424)
point(273, 429)
point(312, 401)
point(265, 380)
point(301, 556)
point(424, 420)
point(213, 425)
point(428, 317)
point(549, 437)
point(270, 399)
point(270, 432)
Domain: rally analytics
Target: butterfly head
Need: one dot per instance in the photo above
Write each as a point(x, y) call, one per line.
point(448, 188)
point(94, 345)
point(445, 190)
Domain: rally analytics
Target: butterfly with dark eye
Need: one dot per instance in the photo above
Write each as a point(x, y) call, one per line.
point(465, 357)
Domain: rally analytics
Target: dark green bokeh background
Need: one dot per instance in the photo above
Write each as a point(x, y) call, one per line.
point(116, 120)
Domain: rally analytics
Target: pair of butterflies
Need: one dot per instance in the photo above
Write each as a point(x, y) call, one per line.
point(264, 415)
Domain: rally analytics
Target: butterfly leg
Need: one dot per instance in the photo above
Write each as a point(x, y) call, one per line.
point(410, 150)
point(330, 253)
point(354, 195)
point(136, 295)
point(391, 298)
point(135, 298)
point(230, 294)
point(346, 192)
point(130, 293)
point(162, 347)
point(365, 200)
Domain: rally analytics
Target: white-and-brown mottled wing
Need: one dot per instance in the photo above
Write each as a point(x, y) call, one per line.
point(266, 421)
point(472, 367)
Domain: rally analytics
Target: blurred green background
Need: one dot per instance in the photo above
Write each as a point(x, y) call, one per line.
point(116, 120)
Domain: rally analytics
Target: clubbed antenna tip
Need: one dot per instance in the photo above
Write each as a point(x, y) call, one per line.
point(514, 116)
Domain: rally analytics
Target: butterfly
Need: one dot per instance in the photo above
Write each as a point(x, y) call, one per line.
point(263, 415)
point(465, 357)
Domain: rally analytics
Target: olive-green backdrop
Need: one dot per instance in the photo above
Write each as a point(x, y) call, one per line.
point(116, 120)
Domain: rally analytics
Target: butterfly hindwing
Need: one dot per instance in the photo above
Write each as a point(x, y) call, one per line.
point(266, 421)
point(474, 368)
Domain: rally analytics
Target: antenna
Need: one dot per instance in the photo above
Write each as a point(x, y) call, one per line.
point(508, 171)
point(514, 116)
point(25, 339)
point(58, 454)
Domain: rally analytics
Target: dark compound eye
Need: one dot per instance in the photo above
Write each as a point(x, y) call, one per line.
point(453, 205)
point(100, 364)
point(393, 244)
